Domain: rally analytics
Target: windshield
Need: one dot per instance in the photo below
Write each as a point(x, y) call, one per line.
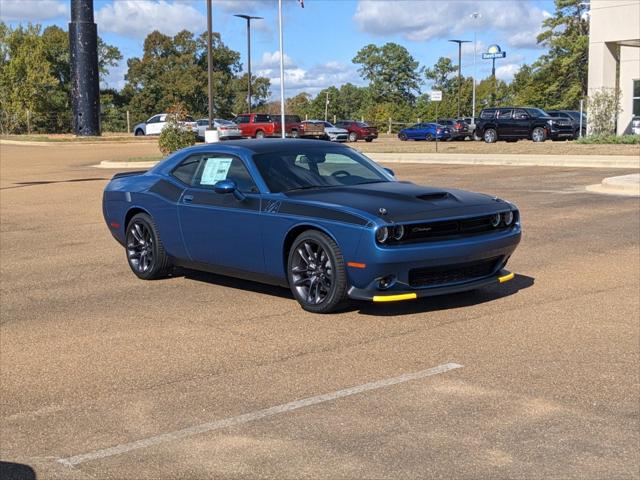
point(316, 168)
point(576, 116)
point(536, 112)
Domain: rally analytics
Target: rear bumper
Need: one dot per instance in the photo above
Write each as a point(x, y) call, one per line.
point(398, 295)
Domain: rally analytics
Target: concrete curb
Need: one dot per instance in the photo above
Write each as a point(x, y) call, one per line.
point(627, 185)
point(586, 161)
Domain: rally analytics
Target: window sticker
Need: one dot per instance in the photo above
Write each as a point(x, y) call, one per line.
point(215, 169)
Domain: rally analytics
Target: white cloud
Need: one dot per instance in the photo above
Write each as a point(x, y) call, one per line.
point(313, 80)
point(420, 20)
point(137, 18)
point(271, 60)
point(32, 10)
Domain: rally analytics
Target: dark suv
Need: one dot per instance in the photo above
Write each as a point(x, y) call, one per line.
point(516, 123)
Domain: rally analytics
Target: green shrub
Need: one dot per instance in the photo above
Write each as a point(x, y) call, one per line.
point(613, 139)
point(175, 135)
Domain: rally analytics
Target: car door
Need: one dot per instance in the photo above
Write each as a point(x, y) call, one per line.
point(521, 121)
point(150, 125)
point(217, 228)
point(506, 127)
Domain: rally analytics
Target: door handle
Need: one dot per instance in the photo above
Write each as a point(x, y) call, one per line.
point(187, 198)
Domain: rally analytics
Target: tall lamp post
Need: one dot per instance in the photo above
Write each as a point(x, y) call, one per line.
point(248, 18)
point(459, 42)
point(210, 62)
point(475, 16)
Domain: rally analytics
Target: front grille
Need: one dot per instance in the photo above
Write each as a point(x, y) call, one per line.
point(462, 272)
point(432, 231)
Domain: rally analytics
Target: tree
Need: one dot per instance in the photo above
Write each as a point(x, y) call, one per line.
point(393, 74)
point(260, 92)
point(441, 75)
point(563, 70)
point(604, 108)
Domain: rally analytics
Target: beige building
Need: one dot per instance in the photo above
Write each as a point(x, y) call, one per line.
point(614, 54)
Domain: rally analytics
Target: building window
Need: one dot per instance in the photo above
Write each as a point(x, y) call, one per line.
point(636, 98)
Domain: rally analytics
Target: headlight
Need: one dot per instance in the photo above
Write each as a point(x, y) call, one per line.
point(398, 232)
point(495, 220)
point(550, 122)
point(382, 234)
point(508, 218)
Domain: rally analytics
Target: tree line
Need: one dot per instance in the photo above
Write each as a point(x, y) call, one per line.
point(35, 80)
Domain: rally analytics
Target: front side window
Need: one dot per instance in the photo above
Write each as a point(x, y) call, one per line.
point(207, 169)
point(520, 114)
point(241, 119)
point(536, 112)
point(262, 119)
point(312, 168)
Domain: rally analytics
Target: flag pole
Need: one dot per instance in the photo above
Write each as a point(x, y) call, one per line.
point(282, 124)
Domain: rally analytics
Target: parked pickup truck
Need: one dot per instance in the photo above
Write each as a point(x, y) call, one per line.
point(261, 125)
point(514, 123)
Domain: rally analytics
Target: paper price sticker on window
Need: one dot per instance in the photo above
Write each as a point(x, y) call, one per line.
point(215, 170)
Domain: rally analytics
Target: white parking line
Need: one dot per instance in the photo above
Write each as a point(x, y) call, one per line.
point(252, 416)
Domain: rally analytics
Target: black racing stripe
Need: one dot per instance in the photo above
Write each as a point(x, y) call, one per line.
point(321, 212)
point(225, 200)
point(167, 190)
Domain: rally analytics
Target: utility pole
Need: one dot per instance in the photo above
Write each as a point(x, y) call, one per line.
point(283, 133)
point(326, 107)
point(210, 61)
point(475, 16)
point(248, 18)
point(459, 42)
point(85, 83)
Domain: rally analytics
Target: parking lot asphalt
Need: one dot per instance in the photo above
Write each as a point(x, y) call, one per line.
point(176, 378)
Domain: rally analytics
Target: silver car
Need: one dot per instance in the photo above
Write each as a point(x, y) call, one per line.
point(334, 133)
point(227, 130)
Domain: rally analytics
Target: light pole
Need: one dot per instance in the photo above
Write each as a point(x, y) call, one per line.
point(248, 18)
point(210, 62)
point(459, 42)
point(475, 16)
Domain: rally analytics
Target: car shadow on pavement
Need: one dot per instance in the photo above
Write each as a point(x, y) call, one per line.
point(16, 471)
point(446, 302)
point(427, 304)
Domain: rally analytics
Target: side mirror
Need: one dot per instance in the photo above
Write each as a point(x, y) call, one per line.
point(390, 172)
point(228, 186)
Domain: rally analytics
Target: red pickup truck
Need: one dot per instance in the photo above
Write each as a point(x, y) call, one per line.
point(260, 125)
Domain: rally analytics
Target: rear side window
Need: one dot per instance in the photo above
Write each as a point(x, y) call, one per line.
point(505, 113)
point(187, 169)
point(487, 114)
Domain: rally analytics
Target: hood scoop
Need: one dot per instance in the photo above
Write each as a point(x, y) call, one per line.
point(432, 197)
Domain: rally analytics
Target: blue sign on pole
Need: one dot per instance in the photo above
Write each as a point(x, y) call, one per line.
point(494, 51)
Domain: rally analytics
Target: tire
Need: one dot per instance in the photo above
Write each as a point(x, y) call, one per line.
point(353, 137)
point(490, 135)
point(402, 137)
point(259, 134)
point(368, 140)
point(476, 137)
point(323, 289)
point(145, 252)
point(538, 134)
point(429, 137)
point(295, 134)
point(139, 133)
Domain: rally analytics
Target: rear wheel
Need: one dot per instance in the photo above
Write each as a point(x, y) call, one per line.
point(490, 135)
point(368, 140)
point(295, 134)
point(139, 133)
point(402, 137)
point(145, 251)
point(428, 137)
point(538, 134)
point(353, 137)
point(316, 273)
point(259, 134)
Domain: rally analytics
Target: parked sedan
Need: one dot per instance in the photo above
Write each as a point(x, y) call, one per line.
point(425, 131)
point(358, 130)
point(155, 124)
point(333, 133)
point(317, 217)
point(227, 130)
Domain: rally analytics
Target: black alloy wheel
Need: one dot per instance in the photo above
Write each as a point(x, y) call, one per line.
point(316, 273)
point(145, 252)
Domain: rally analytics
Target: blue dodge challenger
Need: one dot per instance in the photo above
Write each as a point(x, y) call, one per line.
point(319, 218)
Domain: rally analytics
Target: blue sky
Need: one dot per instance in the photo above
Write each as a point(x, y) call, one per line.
point(321, 39)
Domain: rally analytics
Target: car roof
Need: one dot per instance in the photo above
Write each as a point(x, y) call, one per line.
point(268, 145)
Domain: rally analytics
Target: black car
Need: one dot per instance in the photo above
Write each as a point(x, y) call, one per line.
point(518, 123)
point(458, 128)
point(574, 118)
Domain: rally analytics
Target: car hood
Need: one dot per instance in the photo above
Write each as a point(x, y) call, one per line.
point(403, 201)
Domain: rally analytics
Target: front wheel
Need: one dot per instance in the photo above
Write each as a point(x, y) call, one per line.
point(145, 251)
point(316, 273)
point(538, 134)
point(353, 137)
point(428, 137)
point(368, 140)
point(402, 137)
point(295, 134)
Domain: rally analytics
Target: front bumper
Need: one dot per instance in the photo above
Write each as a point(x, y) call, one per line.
point(394, 296)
